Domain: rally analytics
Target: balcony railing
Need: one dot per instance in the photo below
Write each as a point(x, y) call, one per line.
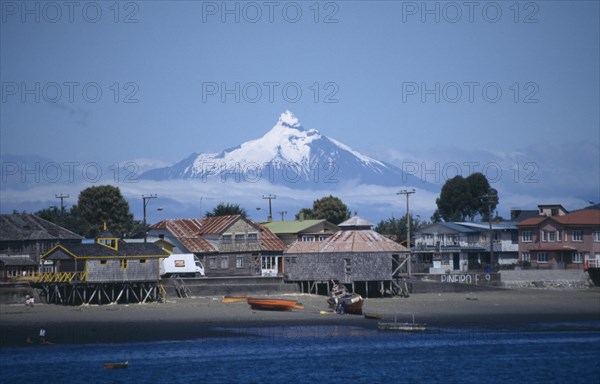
point(61, 277)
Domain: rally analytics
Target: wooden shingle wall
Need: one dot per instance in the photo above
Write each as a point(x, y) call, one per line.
point(344, 267)
point(112, 270)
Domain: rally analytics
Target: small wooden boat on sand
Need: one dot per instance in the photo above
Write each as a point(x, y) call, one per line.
point(272, 304)
point(339, 296)
point(235, 299)
point(374, 316)
point(123, 364)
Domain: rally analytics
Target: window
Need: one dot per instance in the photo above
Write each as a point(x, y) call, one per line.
point(577, 235)
point(102, 262)
point(596, 236)
point(551, 236)
point(123, 263)
point(348, 266)
point(544, 236)
point(142, 261)
point(322, 237)
point(226, 239)
point(526, 256)
point(239, 261)
point(578, 257)
point(526, 236)
point(240, 238)
point(557, 235)
point(542, 257)
point(224, 262)
point(308, 238)
point(451, 239)
point(212, 263)
point(252, 237)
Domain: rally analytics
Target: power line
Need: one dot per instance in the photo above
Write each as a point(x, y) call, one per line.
point(407, 193)
point(270, 197)
point(62, 198)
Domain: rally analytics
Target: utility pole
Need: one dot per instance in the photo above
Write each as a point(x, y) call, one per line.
point(490, 198)
point(407, 193)
point(270, 197)
point(62, 205)
point(282, 213)
point(146, 199)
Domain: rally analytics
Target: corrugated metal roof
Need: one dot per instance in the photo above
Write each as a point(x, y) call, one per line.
point(190, 231)
point(450, 225)
point(16, 260)
point(483, 226)
point(356, 221)
point(32, 227)
point(218, 224)
point(185, 230)
point(357, 241)
point(296, 226)
point(269, 241)
point(124, 249)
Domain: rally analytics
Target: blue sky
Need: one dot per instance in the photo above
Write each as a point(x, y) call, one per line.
point(510, 83)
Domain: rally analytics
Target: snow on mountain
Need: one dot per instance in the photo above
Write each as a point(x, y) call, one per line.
point(287, 154)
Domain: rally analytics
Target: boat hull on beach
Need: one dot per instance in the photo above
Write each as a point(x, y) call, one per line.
point(272, 304)
point(352, 302)
point(235, 299)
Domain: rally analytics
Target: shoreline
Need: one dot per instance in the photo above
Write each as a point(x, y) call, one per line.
point(208, 317)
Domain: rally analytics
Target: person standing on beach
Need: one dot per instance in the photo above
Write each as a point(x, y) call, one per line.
point(42, 335)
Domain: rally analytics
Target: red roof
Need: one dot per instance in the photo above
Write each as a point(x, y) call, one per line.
point(360, 241)
point(583, 217)
point(190, 231)
point(187, 231)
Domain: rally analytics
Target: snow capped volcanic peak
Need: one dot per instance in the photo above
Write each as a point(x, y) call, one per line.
point(287, 141)
point(288, 119)
point(287, 154)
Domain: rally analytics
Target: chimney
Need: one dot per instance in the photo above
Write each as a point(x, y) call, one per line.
point(301, 216)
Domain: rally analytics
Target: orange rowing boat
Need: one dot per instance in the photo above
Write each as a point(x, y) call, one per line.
point(272, 304)
point(234, 299)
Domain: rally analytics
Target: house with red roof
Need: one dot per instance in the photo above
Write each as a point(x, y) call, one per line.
point(558, 239)
point(229, 245)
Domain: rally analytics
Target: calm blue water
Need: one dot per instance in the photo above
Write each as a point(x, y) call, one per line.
point(323, 354)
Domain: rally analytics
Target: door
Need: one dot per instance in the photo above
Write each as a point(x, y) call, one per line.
point(456, 261)
point(269, 265)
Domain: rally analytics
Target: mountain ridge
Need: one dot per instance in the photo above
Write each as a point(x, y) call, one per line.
point(287, 154)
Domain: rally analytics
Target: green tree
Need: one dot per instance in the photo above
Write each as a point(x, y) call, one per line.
point(67, 219)
point(464, 198)
point(396, 229)
point(223, 209)
point(103, 204)
point(329, 207)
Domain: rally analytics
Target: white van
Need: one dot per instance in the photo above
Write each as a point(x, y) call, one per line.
point(181, 265)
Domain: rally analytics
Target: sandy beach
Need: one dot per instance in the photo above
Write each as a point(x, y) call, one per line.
point(210, 317)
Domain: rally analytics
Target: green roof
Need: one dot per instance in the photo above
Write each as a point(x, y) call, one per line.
point(280, 227)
